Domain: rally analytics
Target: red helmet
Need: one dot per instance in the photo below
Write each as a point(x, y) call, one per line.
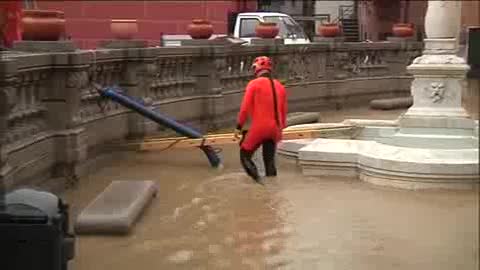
point(262, 63)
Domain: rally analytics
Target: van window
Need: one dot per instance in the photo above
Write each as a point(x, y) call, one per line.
point(287, 26)
point(247, 27)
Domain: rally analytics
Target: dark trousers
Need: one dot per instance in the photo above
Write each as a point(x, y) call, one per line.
point(268, 151)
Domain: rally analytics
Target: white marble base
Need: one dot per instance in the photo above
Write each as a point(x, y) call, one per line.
point(379, 163)
point(441, 46)
point(373, 157)
point(291, 148)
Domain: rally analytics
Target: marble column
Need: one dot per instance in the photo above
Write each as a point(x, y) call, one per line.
point(439, 75)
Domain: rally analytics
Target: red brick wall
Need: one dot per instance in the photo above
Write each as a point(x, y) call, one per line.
point(87, 22)
point(415, 13)
point(377, 18)
point(471, 13)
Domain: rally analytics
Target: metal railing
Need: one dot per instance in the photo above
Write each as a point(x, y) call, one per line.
point(345, 12)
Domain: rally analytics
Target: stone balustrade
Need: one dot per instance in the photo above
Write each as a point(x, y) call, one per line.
point(52, 121)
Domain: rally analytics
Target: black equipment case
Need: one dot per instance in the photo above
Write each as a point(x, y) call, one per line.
point(34, 232)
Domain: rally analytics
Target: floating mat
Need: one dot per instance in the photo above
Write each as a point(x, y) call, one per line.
point(391, 103)
point(117, 208)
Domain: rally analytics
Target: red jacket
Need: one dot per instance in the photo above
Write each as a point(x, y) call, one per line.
point(258, 103)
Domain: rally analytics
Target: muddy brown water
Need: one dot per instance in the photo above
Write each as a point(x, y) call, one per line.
point(208, 219)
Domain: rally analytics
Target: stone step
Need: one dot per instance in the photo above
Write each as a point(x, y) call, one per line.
point(434, 141)
point(382, 164)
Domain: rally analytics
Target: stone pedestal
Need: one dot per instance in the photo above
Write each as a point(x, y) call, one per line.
point(62, 99)
point(329, 39)
point(437, 119)
point(267, 41)
point(8, 70)
point(401, 39)
point(208, 83)
point(130, 84)
point(205, 42)
point(45, 46)
point(123, 44)
point(71, 149)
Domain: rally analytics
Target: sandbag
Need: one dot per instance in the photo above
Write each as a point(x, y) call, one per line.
point(298, 118)
point(391, 103)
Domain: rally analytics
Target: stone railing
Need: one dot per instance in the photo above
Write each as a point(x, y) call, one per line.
point(52, 121)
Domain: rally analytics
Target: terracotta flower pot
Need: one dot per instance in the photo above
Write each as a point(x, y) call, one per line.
point(123, 29)
point(43, 25)
point(266, 30)
point(200, 29)
point(402, 29)
point(329, 29)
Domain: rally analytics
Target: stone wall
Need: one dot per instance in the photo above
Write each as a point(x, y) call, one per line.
point(51, 123)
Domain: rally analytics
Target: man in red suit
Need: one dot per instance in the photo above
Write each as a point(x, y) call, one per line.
point(11, 11)
point(265, 102)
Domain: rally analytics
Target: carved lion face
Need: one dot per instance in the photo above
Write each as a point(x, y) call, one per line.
point(437, 90)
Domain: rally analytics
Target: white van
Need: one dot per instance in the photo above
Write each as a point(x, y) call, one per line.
point(244, 29)
point(290, 30)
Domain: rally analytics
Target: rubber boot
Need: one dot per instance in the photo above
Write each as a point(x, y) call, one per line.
point(269, 158)
point(248, 165)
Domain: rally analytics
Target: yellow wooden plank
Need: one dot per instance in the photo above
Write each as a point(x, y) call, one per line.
point(214, 135)
point(228, 138)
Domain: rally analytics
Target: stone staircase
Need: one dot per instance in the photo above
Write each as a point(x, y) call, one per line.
point(350, 29)
point(348, 18)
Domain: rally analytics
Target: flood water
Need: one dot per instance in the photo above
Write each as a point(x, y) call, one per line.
point(208, 219)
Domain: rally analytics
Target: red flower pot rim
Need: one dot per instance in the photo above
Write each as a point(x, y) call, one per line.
point(200, 21)
point(403, 24)
point(329, 24)
point(267, 24)
point(123, 21)
point(43, 13)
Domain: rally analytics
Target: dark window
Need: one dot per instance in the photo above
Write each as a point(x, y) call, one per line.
point(29, 4)
point(231, 19)
point(247, 27)
point(473, 53)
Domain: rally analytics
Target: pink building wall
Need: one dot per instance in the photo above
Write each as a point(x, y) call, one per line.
point(376, 17)
point(87, 22)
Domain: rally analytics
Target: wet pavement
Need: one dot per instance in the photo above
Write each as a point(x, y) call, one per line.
point(208, 219)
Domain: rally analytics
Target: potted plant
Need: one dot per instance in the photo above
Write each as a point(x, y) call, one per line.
point(403, 30)
point(123, 28)
point(200, 29)
point(266, 30)
point(329, 29)
point(43, 25)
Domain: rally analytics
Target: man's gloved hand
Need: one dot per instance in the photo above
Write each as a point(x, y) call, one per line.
point(237, 133)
